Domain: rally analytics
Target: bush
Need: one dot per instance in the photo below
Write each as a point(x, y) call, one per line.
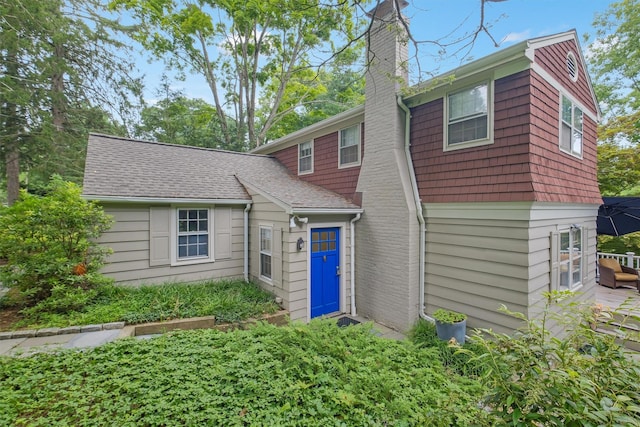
point(536, 378)
point(50, 249)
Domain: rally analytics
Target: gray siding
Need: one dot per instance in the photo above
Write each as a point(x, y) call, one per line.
point(290, 275)
point(480, 256)
point(130, 239)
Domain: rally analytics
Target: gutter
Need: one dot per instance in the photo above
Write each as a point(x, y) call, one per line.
point(352, 260)
point(246, 242)
point(416, 198)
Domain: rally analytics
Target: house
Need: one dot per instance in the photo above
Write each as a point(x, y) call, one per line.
point(475, 189)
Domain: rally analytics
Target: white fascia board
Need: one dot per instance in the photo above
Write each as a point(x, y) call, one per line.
point(331, 121)
point(123, 199)
point(326, 211)
point(524, 49)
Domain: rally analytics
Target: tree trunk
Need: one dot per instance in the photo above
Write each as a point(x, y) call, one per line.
point(12, 159)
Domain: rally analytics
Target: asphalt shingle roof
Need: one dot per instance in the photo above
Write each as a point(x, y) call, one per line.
point(120, 167)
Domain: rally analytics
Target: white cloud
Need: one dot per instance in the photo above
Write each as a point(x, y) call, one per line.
point(516, 37)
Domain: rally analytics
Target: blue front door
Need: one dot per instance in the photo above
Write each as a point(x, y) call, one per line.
point(325, 271)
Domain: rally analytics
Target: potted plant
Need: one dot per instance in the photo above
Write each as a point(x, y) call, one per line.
point(450, 324)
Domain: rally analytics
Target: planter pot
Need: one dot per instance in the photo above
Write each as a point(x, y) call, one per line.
point(446, 331)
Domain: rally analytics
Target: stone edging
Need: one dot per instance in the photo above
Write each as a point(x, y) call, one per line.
point(47, 332)
point(208, 322)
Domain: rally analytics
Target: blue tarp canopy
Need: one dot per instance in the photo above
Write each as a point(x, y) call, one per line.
point(618, 216)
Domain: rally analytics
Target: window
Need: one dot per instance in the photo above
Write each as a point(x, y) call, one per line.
point(570, 259)
point(570, 127)
point(468, 115)
point(193, 233)
point(265, 251)
point(349, 152)
point(305, 157)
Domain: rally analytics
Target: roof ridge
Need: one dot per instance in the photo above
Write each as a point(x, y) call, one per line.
point(167, 144)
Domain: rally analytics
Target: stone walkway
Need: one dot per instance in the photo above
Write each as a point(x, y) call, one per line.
point(27, 343)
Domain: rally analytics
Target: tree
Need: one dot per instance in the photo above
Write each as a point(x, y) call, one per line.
point(176, 119)
point(56, 67)
point(50, 245)
point(250, 52)
point(241, 47)
point(615, 63)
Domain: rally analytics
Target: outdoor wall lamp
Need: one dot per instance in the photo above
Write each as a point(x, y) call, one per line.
point(299, 244)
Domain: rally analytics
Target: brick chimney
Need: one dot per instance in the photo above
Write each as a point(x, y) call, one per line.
point(388, 233)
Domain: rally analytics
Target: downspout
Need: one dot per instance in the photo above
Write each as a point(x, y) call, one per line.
point(416, 198)
point(246, 242)
point(352, 259)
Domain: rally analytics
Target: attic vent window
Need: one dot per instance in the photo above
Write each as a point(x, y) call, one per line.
point(572, 66)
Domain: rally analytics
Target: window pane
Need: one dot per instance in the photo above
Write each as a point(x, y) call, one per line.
point(468, 130)
point(193, 214)
point(349, 136)
point(203, 213)
point(265, 265)
point(182, 225)
point(182, 251)
point(182, 214)
point(565, 137)
point(576, 143)
point(305, 164)
point(315, 247)
point(192, 239)
point(566, 110)
point(577, 119)
point(203, 249)
point(349, 155)
point(182, 240)
point(469, 102)
point(202, 225)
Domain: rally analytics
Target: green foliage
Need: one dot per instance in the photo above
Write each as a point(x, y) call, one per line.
point(176, 119)
point(63, 73)
point(618, 171)
point(302, 375)
point(49, 246)
point(228, 300)
point(580, 379)
point(619, 244)
point(424, 335)
point(249, 52)
point(448, 316)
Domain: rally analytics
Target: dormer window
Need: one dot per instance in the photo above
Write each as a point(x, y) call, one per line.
point(349, 147)
point(305, 157)
point(468, 121)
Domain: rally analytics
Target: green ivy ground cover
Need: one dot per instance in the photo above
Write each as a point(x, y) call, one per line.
point(228, 300)
point(302, 375)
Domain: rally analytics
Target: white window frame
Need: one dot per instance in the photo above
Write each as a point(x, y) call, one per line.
point(571, 259)
point(574, 148)
point(265, 252)
point(489, 115)
point(176, 233)
point(358, 144)
point(300, 157)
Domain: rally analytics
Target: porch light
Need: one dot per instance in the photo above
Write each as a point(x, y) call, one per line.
point(299, 244)
point(292, 222)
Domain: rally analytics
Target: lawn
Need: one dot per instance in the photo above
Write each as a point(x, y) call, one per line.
point(228, 300)
point(317, 374)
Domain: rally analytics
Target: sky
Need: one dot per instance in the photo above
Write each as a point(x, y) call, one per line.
point(510, 22)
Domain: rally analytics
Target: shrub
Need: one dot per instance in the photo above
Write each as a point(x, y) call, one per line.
point(49, 245)
point(581, 378)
